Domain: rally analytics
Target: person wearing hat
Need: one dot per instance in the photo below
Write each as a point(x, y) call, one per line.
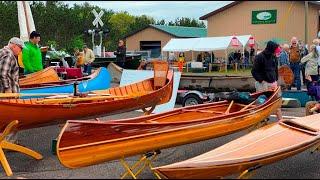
point(31, 55)
point(265, 70)
point(9, 68)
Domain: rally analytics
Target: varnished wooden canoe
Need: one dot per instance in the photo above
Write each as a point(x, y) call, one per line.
point(263, 146)
point(83, 143)
point(38, 112)
point(46, 75)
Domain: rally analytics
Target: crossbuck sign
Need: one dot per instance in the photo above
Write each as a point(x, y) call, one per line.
point(98, 20)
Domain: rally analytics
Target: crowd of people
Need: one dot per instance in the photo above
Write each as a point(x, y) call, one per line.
point(303, 62)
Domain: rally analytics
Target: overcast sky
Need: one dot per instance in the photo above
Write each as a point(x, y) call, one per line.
point(168, 10)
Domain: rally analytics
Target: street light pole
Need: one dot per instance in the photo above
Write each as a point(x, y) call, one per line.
point(306, 21)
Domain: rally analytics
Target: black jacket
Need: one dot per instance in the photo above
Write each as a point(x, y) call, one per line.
point(121, 54)
point(265, 67)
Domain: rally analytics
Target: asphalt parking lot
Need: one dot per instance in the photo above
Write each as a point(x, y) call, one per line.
point(300, 166)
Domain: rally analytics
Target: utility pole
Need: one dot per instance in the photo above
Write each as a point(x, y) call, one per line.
point(306, 22)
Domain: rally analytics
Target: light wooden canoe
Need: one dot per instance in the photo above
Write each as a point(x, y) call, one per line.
point(86, 143)
point(44, 76)
point(39, 112)
point(263, 146)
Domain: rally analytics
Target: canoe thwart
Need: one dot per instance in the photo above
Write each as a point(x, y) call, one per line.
point(14, 147)
point(146, 163)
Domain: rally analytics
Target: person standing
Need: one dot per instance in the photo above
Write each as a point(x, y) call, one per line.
point(311, 65)
point(9, 68)
point(88, 59)
point(284, 56)
point(31, 55)
point(265, 70)
point(294, 58)
point(181, 61)
point(121, 54)
point(252, 53)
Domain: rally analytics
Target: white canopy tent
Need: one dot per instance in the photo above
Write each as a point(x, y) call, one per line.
point(203, 44)
point(206, 44)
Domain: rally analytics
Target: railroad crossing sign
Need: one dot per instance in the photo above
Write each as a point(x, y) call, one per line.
point(98, 20)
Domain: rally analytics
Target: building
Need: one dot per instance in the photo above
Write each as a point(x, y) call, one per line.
point(154, 37)
point(265, 20)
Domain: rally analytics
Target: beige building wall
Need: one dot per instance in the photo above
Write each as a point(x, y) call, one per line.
point(290, 21)
point(151, 34)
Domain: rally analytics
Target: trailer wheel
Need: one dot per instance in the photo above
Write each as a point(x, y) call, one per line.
point(191, 99)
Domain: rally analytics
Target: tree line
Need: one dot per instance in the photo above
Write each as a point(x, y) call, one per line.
point(64, 27)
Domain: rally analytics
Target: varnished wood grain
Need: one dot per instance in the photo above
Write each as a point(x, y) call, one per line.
point(83, 143)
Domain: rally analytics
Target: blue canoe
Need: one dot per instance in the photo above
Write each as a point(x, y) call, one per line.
point(99, 80)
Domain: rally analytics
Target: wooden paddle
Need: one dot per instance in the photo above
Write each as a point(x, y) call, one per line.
point(16, 95)
point(77, 99)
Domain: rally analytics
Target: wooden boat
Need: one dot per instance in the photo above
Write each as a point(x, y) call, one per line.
point(45, 76)
point(98, 80)
point(192, 81)
point(263, 146)
point(38, 112)
point(83, 143)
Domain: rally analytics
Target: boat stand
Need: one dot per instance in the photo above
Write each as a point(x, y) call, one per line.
point(248, 172)
point(148, 112)
point(315, 148)
point(147, 163)
point(14, 147)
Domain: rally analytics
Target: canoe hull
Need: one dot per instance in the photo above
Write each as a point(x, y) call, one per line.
point(180, 134)
point(44, 76)
point(216, 172)
point(101, 81)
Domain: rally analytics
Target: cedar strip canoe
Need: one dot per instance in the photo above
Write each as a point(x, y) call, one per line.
point(83, 143)
point(44, 76)
point(31, 113)
point(263, 146)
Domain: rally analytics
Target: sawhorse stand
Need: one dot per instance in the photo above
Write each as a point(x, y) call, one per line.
point(246, 174)
point(147, 163)
point(259, 125)
point(315, 148)
point(14, 147)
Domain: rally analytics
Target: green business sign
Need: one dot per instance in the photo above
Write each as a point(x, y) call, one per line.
point(264, 17)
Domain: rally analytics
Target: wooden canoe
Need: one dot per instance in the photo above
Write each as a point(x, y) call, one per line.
point(263, 146)
point(99, 80)
point(44, 76)
point(39, 112)
point(83, 143)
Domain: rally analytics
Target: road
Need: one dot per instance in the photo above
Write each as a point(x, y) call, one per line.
point(303, 165)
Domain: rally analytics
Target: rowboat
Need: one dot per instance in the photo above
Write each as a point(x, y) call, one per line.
point(44, 76)
point(98, 80)
point(263, 146)
point(37, 112)
point(83, 143)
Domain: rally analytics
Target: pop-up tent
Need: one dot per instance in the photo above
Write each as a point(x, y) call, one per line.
point(205, 43)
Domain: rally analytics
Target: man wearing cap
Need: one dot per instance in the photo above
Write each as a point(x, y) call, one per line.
point(88, 59)
point(9, 69)
point(31, 55)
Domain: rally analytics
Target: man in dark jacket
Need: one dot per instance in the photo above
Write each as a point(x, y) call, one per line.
point(121, 54)
point(265, 69)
